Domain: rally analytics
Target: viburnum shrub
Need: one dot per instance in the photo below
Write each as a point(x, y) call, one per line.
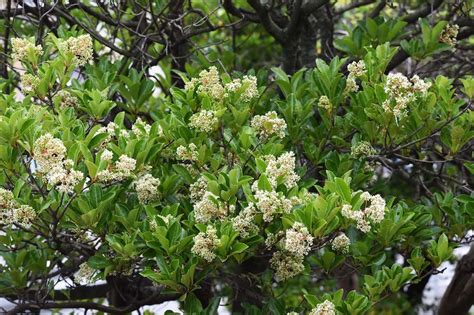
point(259, 190)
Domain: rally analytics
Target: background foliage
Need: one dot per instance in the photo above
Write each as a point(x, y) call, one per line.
point(272, 156)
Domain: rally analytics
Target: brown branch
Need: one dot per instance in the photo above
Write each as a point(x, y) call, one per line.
point(426, 10)
point(457, 298)
point(268, 22)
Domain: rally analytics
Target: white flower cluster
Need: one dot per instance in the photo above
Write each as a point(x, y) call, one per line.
point(209, 83)
point(205, 243)
point(141, 128)
point(282, 168)
point(21, 48)
point(268, 125)
point(341, 243)
point(324, 308)
point(286, 265)
point(249, 84)
point(23, 215)
point(271, 203)
point(106, 155)
point(147, 188)
point(64, 177)
point(205, 121)
point(209, 208)
point(85, 274)
point(374, 212)
point(7, 204)
point(189, 153)
point(356, 70)
point(66, 99)
point(11, 212)
point(362, 149)
point(288, 261)
point(419, 85)
point(198, 189)
point(80, 47)
point(449, 34)
point(49, 153)
point(244, 221)
point(29, 82)
point(122, 169)
point(111, 131)
point(401, 91)
point(325, 103)
point(298, 240)
point(6, 199)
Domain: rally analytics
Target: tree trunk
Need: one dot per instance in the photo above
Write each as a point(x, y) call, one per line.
point(459, 296)
point(290, 56)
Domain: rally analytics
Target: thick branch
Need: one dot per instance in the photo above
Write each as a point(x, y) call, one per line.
point(458, 296)
point(267, 21)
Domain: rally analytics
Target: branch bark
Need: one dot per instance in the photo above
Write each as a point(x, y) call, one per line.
point(457, 298)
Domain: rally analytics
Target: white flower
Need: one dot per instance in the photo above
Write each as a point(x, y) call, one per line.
point(147, 188)
point(298, 240)
point(21, 48)
point(205, 121)
point(209, 84)
point(365, 196)
point(325, 103)
point(64, 177)
point(270, 203)
point(48, 152)
point(286, 265)
point(205, 243)
point(29, 82)
point(244, 222)
point(106, 155)
point(189, 153)
point(198, 189)
point(362, 149)
point(281, 168)
point(449, 34)
point(66, 99)
point(7, 205)
point(140, 128)
point(376, 211)
point(80, 47)
point(351, 85)
point(191, 84)
point(233, 86)
point(341, 243)
point(419, 85)
point(209, 208)
point(23, 215)
point(373, 213)
point(325, 308)
point(401, 92)
point(397, 85)
point(356, 68)
point(122, 169)
point(6, 199)
point(268, 125)
point(249, 83)
point(125, 165)
point(85, 274)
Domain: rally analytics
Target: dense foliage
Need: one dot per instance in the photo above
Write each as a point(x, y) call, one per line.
point(143, 178)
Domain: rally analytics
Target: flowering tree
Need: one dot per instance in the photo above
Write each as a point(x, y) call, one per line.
point(335, 189)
